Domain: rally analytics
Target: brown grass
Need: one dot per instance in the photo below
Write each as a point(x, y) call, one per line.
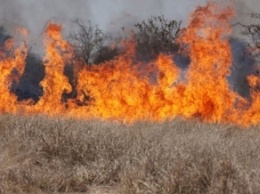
point(42, 155)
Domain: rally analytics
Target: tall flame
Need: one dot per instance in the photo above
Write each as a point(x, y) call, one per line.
point(122, 89)
point(11, 68)
point(55, 82)
point(207, 93)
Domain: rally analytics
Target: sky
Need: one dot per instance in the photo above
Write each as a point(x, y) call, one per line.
point(109, 15)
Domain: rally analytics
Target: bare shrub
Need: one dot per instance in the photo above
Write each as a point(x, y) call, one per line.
point(252, 31)
point(86, 41)
point(90, 44)
point(105, 53)
point(156, 35)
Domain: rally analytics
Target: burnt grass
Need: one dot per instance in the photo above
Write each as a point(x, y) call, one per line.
point(57, 155)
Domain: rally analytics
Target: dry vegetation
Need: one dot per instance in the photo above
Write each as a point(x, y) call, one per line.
point(43, 155)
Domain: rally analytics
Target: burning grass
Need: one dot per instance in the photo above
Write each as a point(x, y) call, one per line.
point(43, 155)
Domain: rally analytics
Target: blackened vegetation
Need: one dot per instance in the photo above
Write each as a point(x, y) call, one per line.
point(253, 32)
point(156, 35)
point(69, 72)
point(88, 39)
point(3, 36)
point(90, 44)
point(105, 53)
point(29, 85)
point(243, 65)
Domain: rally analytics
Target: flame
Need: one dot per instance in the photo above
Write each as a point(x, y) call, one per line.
point(123, 89)
point(11, 68)
point(55, 82)
point(207, 93)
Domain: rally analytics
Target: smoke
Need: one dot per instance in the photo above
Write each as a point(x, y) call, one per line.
point(245, 8)
point(34, 15)
point(114, 14)
point(109, 15)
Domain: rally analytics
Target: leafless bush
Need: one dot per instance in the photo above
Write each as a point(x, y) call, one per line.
point(252, 31)
point(105, 53)
point(86, 41)
point(156, 35)
point(90, 44)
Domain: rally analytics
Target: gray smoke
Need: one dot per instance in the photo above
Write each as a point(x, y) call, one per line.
point(34, 15)
point(114, 14)
point(109, 15)
point(245, 8)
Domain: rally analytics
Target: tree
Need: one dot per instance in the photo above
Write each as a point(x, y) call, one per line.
point(253, 31)
point(156, 35)
point(86, 41)
point(252, 52)
point(90, 44)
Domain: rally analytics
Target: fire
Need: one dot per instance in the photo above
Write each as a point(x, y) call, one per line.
point(55, 82)
point(121, 89)
point(11, 68)
point(207, 93)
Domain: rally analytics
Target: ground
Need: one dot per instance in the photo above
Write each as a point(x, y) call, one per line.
point(58, 155)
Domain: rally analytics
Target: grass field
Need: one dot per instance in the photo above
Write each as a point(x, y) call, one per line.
point(43, 155)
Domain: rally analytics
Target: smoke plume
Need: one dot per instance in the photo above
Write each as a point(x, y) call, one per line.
point(108, 15)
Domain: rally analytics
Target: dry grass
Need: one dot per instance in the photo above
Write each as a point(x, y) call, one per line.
point(42, 155)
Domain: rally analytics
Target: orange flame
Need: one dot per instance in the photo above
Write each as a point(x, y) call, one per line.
point(208, 94)
point(119, 90)
point(55, 82)
point(11, 60)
